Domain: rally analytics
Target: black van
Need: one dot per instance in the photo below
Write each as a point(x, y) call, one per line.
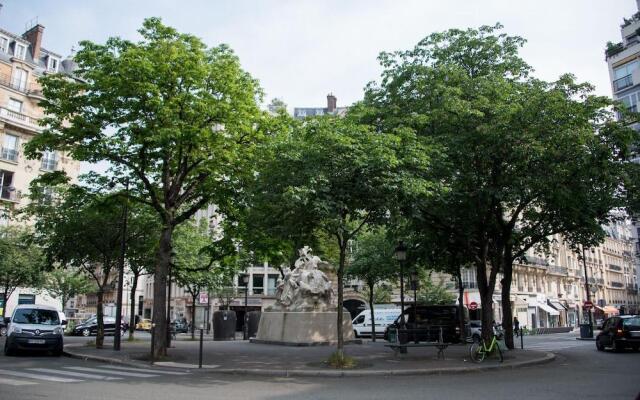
point(425, 322)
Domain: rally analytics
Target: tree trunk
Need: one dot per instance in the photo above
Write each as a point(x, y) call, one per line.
point(373, 320)
point(340, 349)
point(507, 314)
point(132, 306)
point(485, 287)
point(100, 319)
point(461, 305)
point(163, 260)
point(193, 316)
point(4, 302)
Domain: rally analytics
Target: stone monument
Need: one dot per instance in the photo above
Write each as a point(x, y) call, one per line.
point(305, 312)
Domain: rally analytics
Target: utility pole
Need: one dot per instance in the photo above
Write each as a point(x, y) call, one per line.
point(123, 249)
point(586, 287)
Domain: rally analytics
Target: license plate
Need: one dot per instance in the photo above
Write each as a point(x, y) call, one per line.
point(36, 341)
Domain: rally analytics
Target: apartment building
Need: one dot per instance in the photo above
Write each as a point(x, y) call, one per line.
point(23, 60)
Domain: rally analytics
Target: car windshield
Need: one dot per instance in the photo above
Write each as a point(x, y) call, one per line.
point(35, 316)
point(631, 323)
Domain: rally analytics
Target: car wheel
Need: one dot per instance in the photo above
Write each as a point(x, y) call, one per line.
point(599, 345)
point(86, 332)
point(3, 331)
point(355, 334)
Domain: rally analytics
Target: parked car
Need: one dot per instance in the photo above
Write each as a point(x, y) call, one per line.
point(34, 327)
point(383, 317)
point(426, 323)
point(144, 325)
point(89, 327)
point(619, 333)
point(474, 330)
point(180, 326)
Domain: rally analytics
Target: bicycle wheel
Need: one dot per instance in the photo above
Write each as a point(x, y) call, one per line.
point(476, 352)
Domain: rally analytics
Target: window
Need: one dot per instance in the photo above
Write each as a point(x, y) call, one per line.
point(272, 283)
point(53, 64)
point(7, 191)
point(21, 51)
point(10, 148)
point(49, 161)
point(19, 80)
point(47, 194)
point(15, 105)
point(630, 101)
point(622, 75)
point(28, 299)
point(258, 284)
point(4, 44)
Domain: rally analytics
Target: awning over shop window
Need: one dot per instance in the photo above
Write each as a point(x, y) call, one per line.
point(550, 310)
point(557, 305)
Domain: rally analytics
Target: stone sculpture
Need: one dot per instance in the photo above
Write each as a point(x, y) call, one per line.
point(306, 287)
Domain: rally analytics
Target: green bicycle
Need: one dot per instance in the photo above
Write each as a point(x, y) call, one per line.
point(478, 351)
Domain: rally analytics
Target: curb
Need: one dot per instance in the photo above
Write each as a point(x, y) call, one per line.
point(587, 339)
point(548, 357)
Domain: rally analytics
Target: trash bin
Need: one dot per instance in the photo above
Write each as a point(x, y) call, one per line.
point(586, 331)
point(253, 320)
point(224, 325)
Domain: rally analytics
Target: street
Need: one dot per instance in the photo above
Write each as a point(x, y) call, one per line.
point(579, 371)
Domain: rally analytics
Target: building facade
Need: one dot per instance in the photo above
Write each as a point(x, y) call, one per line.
point(23, 60)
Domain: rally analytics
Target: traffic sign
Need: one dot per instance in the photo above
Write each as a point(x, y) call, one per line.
point(473, 306)
point(203, 298)
point(587, 305)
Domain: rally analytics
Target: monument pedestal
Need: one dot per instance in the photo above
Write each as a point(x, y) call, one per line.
point(299, 328)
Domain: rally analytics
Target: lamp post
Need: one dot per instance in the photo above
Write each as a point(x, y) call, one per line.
point(400, 254)
point(586, 287)
point(123, 248)
point(245, 328)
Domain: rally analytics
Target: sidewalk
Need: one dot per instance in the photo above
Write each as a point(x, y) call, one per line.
point(242, 357)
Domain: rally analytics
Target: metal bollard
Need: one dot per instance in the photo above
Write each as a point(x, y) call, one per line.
point(521, 340)
point(201, 339)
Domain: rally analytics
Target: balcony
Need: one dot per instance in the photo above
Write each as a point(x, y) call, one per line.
point(9, 154)
point(617, 284)
point(19, 119)
point(614, 267)
point(622, 83)
point(558, 270)
point(21, 86)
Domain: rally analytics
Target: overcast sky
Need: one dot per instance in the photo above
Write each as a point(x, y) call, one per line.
point(301, 50)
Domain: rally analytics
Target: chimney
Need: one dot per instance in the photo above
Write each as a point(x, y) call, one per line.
point(34, 36)
point(332, 101)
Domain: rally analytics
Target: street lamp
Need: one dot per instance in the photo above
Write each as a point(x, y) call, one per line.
point(400, 254)
point(245, 330)
point(123, 249)
point(587, 289)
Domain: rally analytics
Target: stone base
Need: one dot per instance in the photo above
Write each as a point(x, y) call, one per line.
point(302, 328)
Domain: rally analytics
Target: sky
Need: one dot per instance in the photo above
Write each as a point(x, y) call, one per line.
point(301, 50)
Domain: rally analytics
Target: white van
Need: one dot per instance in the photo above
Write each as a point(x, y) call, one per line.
point(383, 318)
point(34, 327)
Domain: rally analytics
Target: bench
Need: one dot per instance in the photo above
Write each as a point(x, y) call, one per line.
point(397, 347)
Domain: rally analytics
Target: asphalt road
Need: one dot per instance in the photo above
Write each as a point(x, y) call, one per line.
point(579, 372)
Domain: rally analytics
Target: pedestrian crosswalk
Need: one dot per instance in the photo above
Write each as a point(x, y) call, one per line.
point(555, 345)
point(75, 374)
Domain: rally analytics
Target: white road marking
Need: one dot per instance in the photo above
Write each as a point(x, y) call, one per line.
point(39, 377)
point(75, 374)
point(15, 382)
point(104, 371)
point(154, 371)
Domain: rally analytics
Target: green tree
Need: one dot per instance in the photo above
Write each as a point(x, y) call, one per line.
point(434, 293)
point(22, 262)
point(195, 267)
point(521, 159)
point(176, 117)
point(373, 264)
point(329, 175)
point(67, 283)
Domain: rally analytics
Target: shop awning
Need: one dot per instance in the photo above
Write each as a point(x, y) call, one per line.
point(557, 305)
point(550, 310)
point(611, 310)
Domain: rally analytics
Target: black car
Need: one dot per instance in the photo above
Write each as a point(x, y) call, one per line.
point(619, 333)
point(90, 327)
point(425, 323)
